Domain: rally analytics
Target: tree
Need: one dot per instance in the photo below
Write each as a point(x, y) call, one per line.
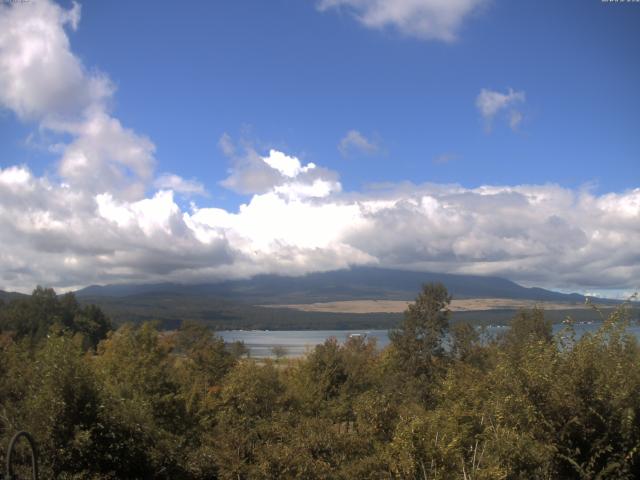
point(251, 395)
point(238, 349)
point(205, 362)
point(528, 326)
point(34, 316)
point(138, 377)
point(466, 345)
point(418, 342)
point(279, 351)
point(327, 369)
point(92, 323)
point(53, 393)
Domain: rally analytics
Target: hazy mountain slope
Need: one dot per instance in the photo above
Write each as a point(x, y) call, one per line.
point(171, 310)
point(8, 296)
point(236, 304)
point(356, 283)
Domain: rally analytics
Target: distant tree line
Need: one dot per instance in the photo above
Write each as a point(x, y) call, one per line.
point(34, 318)
point(440, 402)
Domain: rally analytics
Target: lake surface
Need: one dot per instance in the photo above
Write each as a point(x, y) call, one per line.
point(297, 343)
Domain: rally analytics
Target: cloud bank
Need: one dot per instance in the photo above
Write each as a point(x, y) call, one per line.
point(105, 216)
point(541, 234)
point(424, 19)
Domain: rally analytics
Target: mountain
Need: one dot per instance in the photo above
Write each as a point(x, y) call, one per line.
point(352, 284)
point(241, 304)
point(8, 296)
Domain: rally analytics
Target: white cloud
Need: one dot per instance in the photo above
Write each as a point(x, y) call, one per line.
point(277, 172)
point(490, 103)
point(251, 174)
point(286, 165)
point(515, 118)
point(106, 157)
point(169, 181)
point(354, 141)
point(40, 79)
point(537, 234)
point(14, 177)
point(426, 19)
point(226, 145)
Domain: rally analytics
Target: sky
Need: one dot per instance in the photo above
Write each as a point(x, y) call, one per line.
point(193, 142)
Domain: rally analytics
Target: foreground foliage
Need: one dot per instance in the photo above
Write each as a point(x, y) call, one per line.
point(438, 403)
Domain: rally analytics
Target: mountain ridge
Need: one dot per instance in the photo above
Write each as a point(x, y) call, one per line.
point(347, 284)
point(6, 296)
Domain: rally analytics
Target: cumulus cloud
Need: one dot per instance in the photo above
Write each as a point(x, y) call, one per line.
point(252, 173)
point(106, 157)
point(40, 78)
point(539, 234)
point(491, 103)
point(56, 235)
point(42, 81)
point(425, 19)
point(356, 142)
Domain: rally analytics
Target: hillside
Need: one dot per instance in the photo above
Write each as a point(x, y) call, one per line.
point(8, 296)
point(261, 302)
point(353, 284)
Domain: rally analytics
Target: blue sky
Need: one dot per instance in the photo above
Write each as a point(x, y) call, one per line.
point(392, 103)
point(291, 77)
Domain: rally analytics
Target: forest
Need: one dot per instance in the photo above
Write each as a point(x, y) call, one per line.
point(169, 311)
point(442, 401)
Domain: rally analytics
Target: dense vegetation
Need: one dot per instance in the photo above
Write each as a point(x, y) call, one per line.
point(236, 303)
point(440, 402)
point(170, 310)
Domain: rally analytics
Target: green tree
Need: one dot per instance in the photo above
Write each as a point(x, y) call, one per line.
point(417, 344)
point(204, 362)
point(251, 397)
point(33, 317)
point(138, 375)
point(92, 323)
point(279, 351)
point(53, 393)
point(528, 326)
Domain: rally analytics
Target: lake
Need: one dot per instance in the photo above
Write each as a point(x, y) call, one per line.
point(298, 342)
